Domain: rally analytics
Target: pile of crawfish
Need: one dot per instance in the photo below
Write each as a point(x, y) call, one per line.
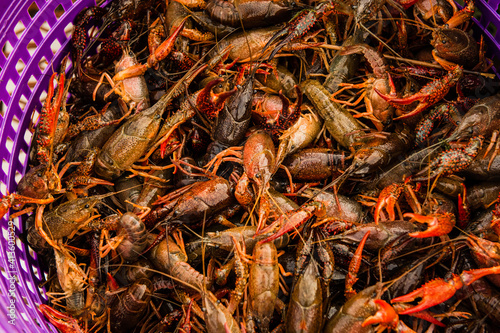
point(266, 165)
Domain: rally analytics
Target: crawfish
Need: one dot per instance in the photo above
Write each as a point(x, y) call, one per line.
point(306, 302)
point(217, 317)
point(379, 152)
point(451, 161)
point(263, 284)
point(429, 95)
point(169, 258)
point(343, 67)
point(339, 122)
point(249, 13)
point(132, 139)
point(380, 80)
point(200, 200)
point(133, 90)
point(303, 22)
point(314, 164)
point(87, 140)
point(234, 118)
point(353, 313)
point(128, 309)
point(456, 46)
point(66, 219)
point(298, 136)
point(133, 237)
point(72, 280)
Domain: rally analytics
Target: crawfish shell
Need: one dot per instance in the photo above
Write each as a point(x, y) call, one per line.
point(456, 46)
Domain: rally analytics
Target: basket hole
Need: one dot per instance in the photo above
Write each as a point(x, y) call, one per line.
point(25, 317)
point(9, 144)
point(15, 122)
point(44, 29)
point(3, 189)
point(22, 157)
point(20, 66)
point(477, 15)
point(19, 29)
point(59, 11)
point(7, 49)
point(33, 9)
point(35, 271)
point(4, 273)
point(10, 86)
point(27, 137)
point(42, 64)
point(55, 46)
point(68, 30)
point(43, 96)
point(42, 292)
point(3, 108)
point(5, 233)
point(31, 47)
point(32, 82)
point(5, 166)
point(492, 29)
point(33, 255)
point(30, 287)
point(17, 177)
point(22, 103)
point(17, 222)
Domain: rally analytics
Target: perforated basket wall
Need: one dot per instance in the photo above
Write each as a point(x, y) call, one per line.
point(33, 44)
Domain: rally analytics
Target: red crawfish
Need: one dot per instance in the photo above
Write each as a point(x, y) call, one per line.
point(440, 290)
point(451, 161)
point(62, 321)
point(429, 95)
point(303, 22)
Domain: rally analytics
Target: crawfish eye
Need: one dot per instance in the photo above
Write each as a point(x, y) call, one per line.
point(39, 174)
point(443, 41)
point(87, 206)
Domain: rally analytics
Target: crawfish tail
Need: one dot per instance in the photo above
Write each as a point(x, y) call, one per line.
point(374, 58)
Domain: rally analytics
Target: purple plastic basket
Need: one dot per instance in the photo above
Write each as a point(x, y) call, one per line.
point(48, 29)
point(21, 67)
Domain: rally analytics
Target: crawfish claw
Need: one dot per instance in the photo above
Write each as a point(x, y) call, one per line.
point(385, 316)
point(432, 293)
point(439, 224)
point(388, 198)
point(63, 322)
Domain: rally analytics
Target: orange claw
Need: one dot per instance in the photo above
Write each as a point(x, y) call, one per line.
point(432, 293)
point(386, 316)
point(388, 198)
point(437, 291)
point(292, 220)
point(164, 49)
point(439, 224)
point(65, 323)
point(354, 265)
